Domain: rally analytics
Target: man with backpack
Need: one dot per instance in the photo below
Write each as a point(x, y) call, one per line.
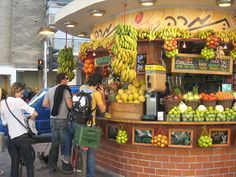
point(59, 99)
point(86, 116)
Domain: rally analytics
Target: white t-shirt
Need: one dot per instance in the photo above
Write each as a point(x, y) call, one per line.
point(17, 107)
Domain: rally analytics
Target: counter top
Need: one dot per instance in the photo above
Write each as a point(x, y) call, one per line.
point(163, 122)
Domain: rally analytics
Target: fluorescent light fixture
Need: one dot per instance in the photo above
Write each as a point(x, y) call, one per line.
point(225, 46)
point(46, 31)
point(97, 12)
point(147, 2)
point(81, 34)
point(224, 3)
point(70, 24)
point(184, 45)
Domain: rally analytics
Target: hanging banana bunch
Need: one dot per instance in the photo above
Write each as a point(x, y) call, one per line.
point(125, 52)
point(66, 62)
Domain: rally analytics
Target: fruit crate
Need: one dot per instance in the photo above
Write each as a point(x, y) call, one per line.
point(209, 103)
point(193, 104)
point(173, 117)
point(225, 103)
point(186, 117)
point(87, 136)
point(169, 104)
point(127, 110)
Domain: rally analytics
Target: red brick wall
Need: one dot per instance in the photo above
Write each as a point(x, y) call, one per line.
point(146, 161)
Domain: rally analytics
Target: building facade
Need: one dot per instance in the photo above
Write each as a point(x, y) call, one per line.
point(20, 44)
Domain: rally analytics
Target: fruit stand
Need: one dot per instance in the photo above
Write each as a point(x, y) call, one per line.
point(196, 136)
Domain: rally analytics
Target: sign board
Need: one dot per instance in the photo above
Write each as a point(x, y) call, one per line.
point(226, 87)
point(102, 60)
point(191, 63)
point(111, 131)
point(181, 138)
point(220, 136)
point(142, 136)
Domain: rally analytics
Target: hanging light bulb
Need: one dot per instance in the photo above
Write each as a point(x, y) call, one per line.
point(94, 54)
point(184, 45)
point(225, 46)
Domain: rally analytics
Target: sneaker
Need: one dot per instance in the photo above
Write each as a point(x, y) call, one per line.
point(67, 167)
point(52, 170)
point(63, 158)
point(1, 172)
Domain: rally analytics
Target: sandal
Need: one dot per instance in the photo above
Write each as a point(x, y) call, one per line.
point(1, 172)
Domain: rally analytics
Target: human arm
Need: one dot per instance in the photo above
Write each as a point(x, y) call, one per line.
point(46, 101)
point(68, 99)
point(100, 99)
point(30, 110)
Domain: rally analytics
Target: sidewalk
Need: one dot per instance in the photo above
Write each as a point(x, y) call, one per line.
point(40, 171)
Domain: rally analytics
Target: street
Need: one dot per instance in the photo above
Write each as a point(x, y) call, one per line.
point(40, 169)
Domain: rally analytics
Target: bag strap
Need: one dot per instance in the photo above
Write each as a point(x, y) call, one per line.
point(15, 116)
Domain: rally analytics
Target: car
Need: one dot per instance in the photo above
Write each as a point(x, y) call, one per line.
point(42, 121)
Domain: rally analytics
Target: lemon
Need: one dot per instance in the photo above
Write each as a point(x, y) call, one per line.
point(117, 97)
point(136, 101)
point(141, 98)
point(130, 97)
point(124, 97)
point(130, 86)
point(134, 90)
point(120, 91)
point(129, 92)
point(136, 96)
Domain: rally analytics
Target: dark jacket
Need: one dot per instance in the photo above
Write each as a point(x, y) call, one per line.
point(58, 98)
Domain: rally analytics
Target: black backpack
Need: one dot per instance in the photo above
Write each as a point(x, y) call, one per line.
point(82, 111)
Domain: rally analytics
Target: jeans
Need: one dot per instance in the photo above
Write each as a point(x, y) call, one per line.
point(21, 147)
point(58, 127)
point(91, 160)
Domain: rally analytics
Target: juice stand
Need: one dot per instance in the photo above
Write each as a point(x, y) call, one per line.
point(179, 152)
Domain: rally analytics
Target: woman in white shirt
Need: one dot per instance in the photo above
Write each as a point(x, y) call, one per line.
point(1, 172)
point(18, 138)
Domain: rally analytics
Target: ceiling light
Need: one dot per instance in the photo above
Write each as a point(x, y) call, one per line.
point(46, 31)
point(225, 46)
point(147, 2)
point(184, 45)
point(224, 3)
point(97, 13)
point(81, 34)
point(70, 24)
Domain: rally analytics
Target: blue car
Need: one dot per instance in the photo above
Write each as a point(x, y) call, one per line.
point(43, 118)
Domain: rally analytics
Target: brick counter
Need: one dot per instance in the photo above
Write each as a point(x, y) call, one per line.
point(146, 161)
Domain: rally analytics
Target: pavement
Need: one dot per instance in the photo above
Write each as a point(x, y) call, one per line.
point(40, 169)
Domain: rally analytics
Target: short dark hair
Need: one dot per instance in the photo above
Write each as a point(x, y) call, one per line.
point(15, 88)
point(94, 79)
point(60, 77)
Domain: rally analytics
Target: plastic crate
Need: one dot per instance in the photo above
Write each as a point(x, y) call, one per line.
point(87, 136)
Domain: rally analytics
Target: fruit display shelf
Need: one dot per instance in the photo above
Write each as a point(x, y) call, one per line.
point(120, 120)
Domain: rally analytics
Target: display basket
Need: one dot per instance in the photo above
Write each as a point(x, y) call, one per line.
point(209, 103)
point(87, 136)
point(193, 104)
point(169, 104)
point(225, 103)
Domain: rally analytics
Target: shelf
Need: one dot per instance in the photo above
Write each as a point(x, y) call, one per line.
point(163, 122)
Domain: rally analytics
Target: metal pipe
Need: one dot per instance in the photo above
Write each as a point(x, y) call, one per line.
point(45, 78)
